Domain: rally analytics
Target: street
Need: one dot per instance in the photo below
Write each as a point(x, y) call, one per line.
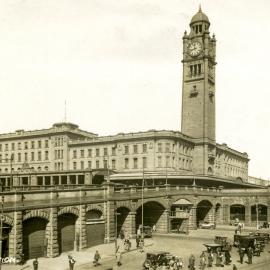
point(183, 246)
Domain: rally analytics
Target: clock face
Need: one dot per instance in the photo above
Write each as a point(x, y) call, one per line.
point(195, 48)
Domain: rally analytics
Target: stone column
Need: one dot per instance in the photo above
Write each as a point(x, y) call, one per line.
point(163, 222)
point(82, 228)
point(52, 248)
point(192, 218)
point(130, 224)
point(248, 214)
point(109, 214)
point(15, 236)
point(226, 214)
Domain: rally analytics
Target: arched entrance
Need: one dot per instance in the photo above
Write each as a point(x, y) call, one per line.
point(261, 215)
point(66, 232)
point(5, 240)
point(95, 227)
point(237, 211)
point(153, 214)
point(34, 237)
point(122, 214)
point(204, 213)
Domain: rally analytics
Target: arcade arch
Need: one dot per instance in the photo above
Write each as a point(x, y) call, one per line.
point(66, 231)
point(34, 237)
point(153, 214)
point(95, 227)
point(237, 211)
point(204, 212)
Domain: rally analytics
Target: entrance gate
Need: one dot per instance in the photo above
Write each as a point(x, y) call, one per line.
point(34, 241)
point(66, 232)
point(95, 228)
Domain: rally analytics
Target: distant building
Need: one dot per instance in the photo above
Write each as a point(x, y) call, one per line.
point(163, 153)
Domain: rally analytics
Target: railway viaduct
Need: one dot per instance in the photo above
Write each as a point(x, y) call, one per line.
point(51, 221)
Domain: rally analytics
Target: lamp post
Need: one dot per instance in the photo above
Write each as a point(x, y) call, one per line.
point(115, 231)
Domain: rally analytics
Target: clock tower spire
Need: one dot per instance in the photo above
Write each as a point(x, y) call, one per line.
point(198, 89)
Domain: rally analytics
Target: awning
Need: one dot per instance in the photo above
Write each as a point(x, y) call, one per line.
point(182, 202)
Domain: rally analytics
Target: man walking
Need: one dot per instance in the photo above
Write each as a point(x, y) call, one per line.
point(71, 262)
point(35, 264)
point(96, 258)
point(191, 262)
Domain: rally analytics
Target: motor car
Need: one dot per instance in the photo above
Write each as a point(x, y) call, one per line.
point(147, 231)
point(213, 247)
point(246, 241)
point(223, 240)
point(156, 258)
point(207, 225)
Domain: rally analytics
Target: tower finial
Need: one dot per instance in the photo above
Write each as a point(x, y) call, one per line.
point(200, 8)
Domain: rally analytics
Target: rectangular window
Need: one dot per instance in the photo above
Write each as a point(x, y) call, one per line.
point(195, 70)
point(82, 165)
point(126, 149)
point(97, 164)
point(39, 144)
point(168, 148)
point(19, 157)
point(13, 146)
point(19, 146)
point(159, 162)
point(32, 156)
point(0, 147)
point(200, 28)
point(82, 153)
point(32, 144)
point(144, 162)
point(199, 69)
point(89, 164)
point(167, 161)
point(105, 151)
point(159, 147)
point(0, 158)
point(144, 148)
point(74, 165)
point(191, 70)
point(135, 149)
point(135, 163)
point(97, 152)
point(113, 164)
point(6, 147)
point(46, 155)
point(114, 151)
point(105, 163)
point(74, 153)
point(46, 144)
point(39, 156)
point(25, 156)
point(25, 145)
point(126, 163)
point(89, 152)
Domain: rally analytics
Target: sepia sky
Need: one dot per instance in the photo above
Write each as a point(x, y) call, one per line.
point(117, 63)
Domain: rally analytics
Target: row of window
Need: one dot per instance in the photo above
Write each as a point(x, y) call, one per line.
point(182, 149)
point(59, 141)
point(89, 164)
point(195, 70)
point(46, 168)
point(19, 157)
point(198, 28)
point(25, 145)
point(185, 164)
point(58, 154)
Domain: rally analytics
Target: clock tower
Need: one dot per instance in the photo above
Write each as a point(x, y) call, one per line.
point(198, 90)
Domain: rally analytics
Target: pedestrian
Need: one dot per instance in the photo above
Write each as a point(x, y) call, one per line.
point(97, 257)
point(154, 228)
point(234, 267)
point(241, 252)
point(35, 264)
point(118, 255)
point(127, 244)
point(249, 254)
point(191, 262)
point(218, 259)
point(202, 261)
point(228, 258)
point(171, 263)
point(71, 262)
point(141, 244)
point(210, 258)
point(137, 241)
